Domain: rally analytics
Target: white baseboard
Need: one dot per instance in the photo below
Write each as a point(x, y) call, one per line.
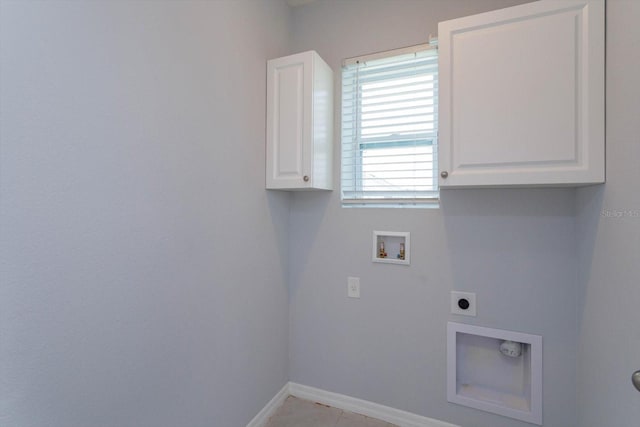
point(265, 413)
point(346, 403)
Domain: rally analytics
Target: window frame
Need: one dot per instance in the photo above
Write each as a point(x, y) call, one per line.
point(355, 195)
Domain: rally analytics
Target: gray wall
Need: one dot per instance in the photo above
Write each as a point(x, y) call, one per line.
point(143, 264)
point(514, 248)
point(608, 227)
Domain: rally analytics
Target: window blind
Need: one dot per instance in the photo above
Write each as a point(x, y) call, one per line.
point(390, 128)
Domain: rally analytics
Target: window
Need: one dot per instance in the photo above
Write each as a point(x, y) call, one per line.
point(390, 128)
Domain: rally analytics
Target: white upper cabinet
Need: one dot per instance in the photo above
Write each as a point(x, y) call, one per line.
point(299, 123)
point(521, 97)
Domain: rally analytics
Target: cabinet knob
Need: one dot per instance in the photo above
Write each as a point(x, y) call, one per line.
point(306, 178)
point(444, 174)
point(635, 379)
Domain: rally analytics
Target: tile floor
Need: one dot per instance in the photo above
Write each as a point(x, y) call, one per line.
point(296, 412)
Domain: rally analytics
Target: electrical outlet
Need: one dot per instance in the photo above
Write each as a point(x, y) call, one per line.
point(353, 287)
point(463, 303)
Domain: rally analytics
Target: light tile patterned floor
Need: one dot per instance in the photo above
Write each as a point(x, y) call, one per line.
point(296, 412)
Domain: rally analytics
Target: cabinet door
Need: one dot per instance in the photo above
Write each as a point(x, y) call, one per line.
point(522, 96)
point(289, 121)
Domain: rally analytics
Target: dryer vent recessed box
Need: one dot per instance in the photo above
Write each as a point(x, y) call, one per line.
point(484, 371)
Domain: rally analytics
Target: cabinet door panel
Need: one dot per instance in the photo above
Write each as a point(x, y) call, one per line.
point(288, 121)
point(521, 96)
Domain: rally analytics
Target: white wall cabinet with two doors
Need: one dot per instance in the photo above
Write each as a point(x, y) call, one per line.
point(521, 96)
point(299, 123)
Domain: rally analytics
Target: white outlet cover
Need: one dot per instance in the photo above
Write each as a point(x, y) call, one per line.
point(469, 296)
point(353, 287)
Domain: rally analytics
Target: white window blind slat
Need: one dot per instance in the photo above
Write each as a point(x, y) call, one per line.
point(383, 76)
point(389, 129)
point(404, 93)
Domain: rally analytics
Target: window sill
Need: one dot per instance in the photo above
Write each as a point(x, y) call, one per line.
point(387, 203)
